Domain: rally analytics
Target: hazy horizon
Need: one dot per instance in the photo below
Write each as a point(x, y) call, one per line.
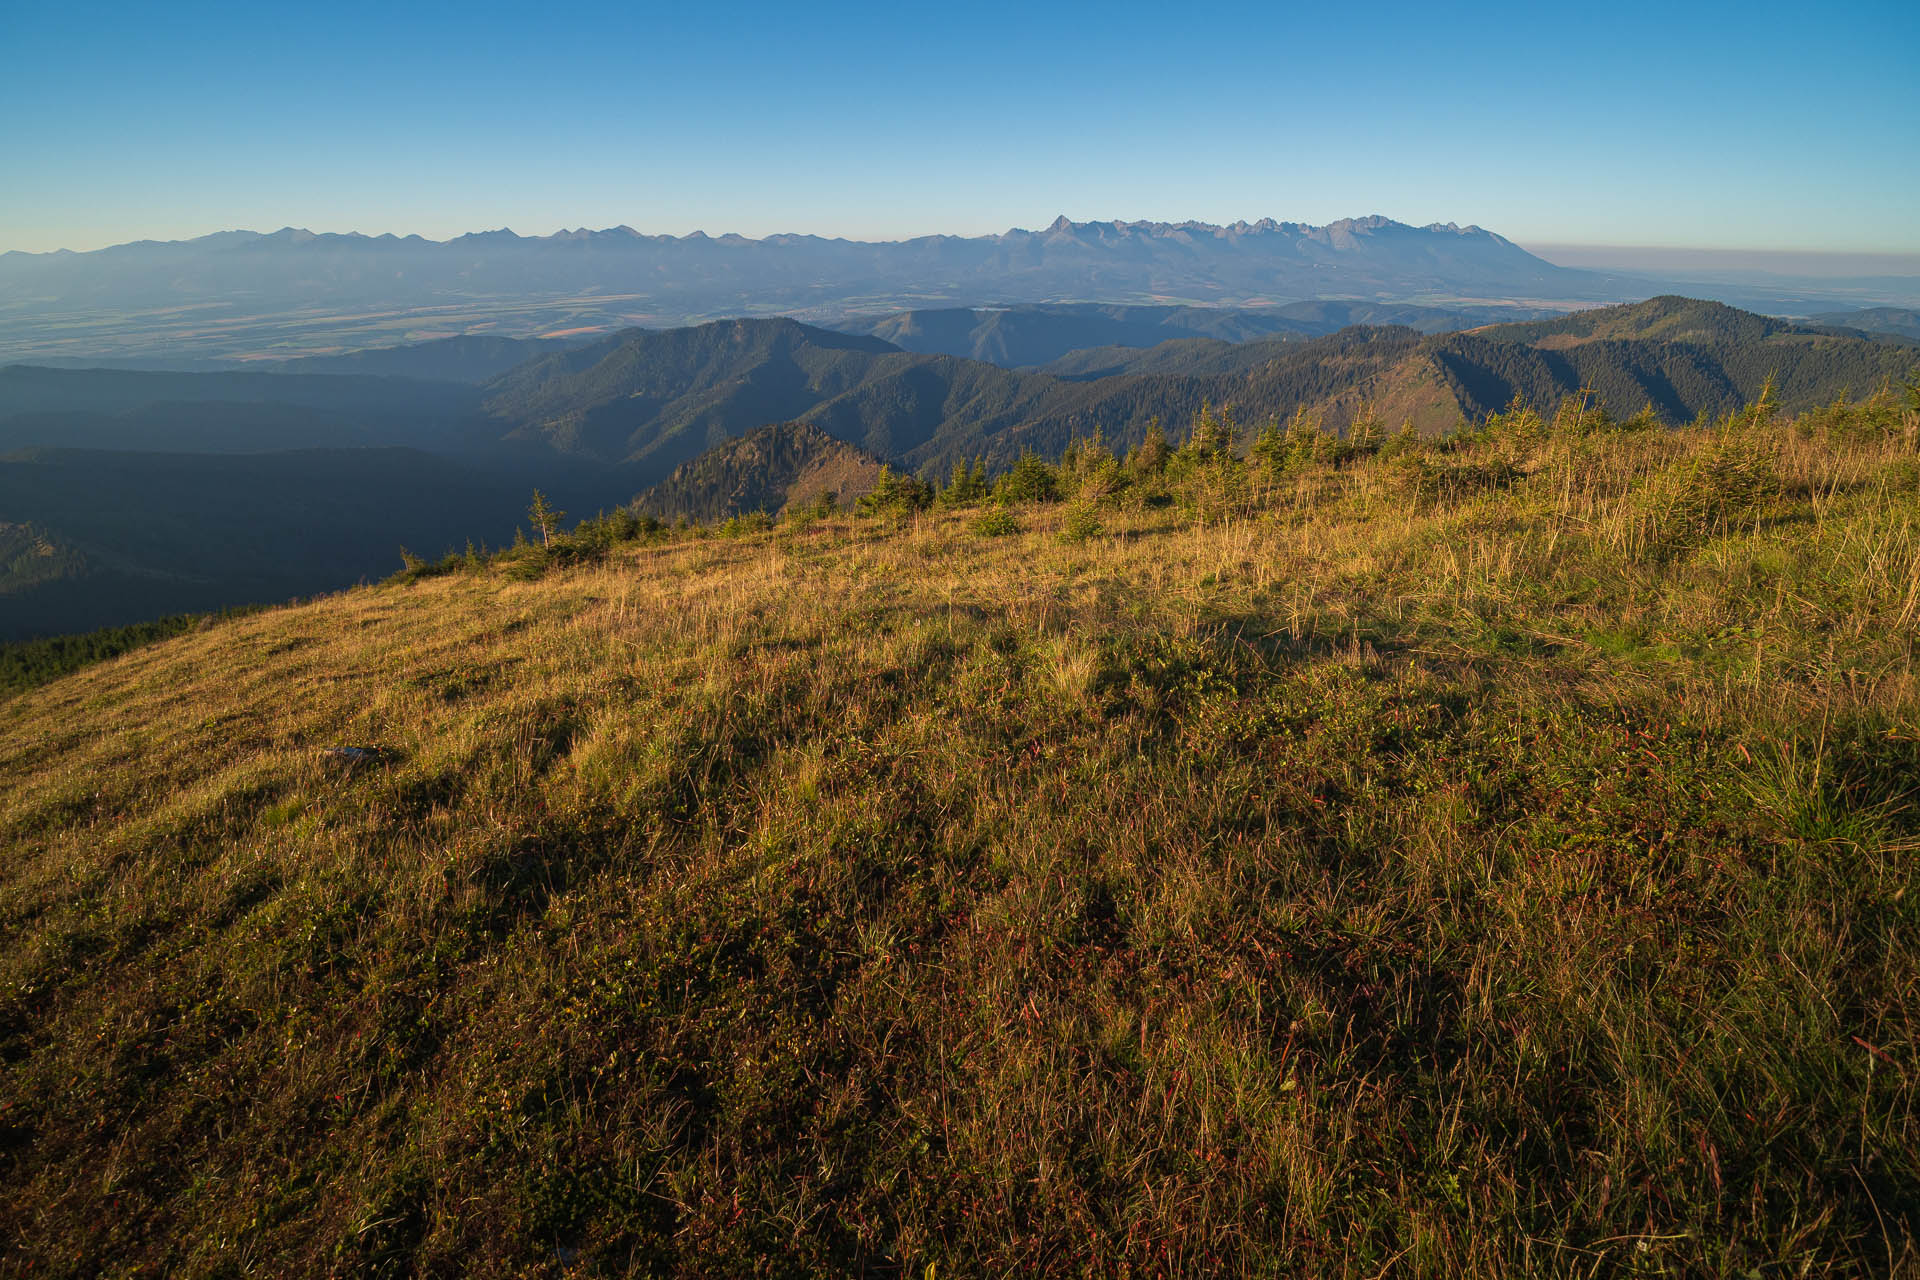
point(1709, 258)
point(1595, 255)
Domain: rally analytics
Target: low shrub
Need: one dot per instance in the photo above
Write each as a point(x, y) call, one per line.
point(1429, 482)
point(1704, 494)
point(1082, 522)
point(996, 522)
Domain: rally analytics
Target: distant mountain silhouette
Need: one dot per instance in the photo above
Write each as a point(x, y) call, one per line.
point(1291, 258)
point(290, 285)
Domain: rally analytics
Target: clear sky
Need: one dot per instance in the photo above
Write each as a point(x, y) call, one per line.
point(1751, 126)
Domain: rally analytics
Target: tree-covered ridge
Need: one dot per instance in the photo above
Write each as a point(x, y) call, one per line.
point(30, 556)
point(1667, 318)
point(655, 400)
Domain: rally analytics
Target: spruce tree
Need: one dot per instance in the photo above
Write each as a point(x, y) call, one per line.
point(1149, 457)
point(545, 517)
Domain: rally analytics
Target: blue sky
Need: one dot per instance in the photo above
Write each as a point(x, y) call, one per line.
point(1757, 126)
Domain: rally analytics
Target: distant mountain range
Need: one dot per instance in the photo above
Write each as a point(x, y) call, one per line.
point(243, 293)
point(1288, 260)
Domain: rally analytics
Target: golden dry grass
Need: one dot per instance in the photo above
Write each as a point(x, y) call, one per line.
point(1366, 871)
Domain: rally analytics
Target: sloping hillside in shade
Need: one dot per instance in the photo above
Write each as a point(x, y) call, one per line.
point(106, 538)
point(218, 426)
point(656, 400)
point(1210, 358)
point(1176, 356)
point(33, 389)
point(659, 399)
point(766, 470)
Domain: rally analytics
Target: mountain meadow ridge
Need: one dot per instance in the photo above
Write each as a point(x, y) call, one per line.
point(1306, 854)
point(927, 731)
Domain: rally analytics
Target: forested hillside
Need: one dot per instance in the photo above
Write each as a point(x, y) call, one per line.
point(655, 400)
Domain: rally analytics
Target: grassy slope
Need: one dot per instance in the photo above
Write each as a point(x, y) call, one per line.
point(1325, 880)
